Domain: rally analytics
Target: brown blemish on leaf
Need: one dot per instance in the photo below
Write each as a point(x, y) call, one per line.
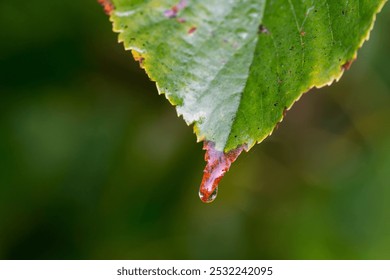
point(138, 57)
point(172, 12)
point(192, 30)
point(262, 30)
point(284, 112)
point(283, 116)
point(302, 33)
point(141, 61)
point(218, 163)
point(347, 64)
point(181, 20)
point(107, 5)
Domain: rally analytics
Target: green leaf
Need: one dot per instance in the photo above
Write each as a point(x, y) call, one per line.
point(232, 68)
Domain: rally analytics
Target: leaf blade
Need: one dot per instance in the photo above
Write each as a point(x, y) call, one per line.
point(203, 49)
point(233, 69)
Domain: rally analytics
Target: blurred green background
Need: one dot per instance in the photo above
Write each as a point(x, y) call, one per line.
point(94, 164)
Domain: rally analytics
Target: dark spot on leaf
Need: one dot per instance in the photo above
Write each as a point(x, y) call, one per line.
point(262, 30)
point(172, 12)
point(285, 112)
point(141, 60)
point(302, 33)
point(107, 5)
point(284, 115)
point(347, 64)
point(192, 30)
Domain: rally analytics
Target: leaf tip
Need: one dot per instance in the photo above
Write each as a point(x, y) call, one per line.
point(218, 163)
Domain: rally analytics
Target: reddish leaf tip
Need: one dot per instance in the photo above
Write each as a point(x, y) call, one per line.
point(218, 163)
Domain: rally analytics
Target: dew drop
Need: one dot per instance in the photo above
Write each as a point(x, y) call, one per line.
point(210, 198)
point(218, 163)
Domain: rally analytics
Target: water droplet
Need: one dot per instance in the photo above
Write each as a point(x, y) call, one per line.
point(210, 198)
point(218, 163)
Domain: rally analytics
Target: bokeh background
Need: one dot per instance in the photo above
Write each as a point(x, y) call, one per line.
point(94, 164)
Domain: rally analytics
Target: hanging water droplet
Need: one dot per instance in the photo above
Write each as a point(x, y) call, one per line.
point(218, 163)
point(210, 198)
